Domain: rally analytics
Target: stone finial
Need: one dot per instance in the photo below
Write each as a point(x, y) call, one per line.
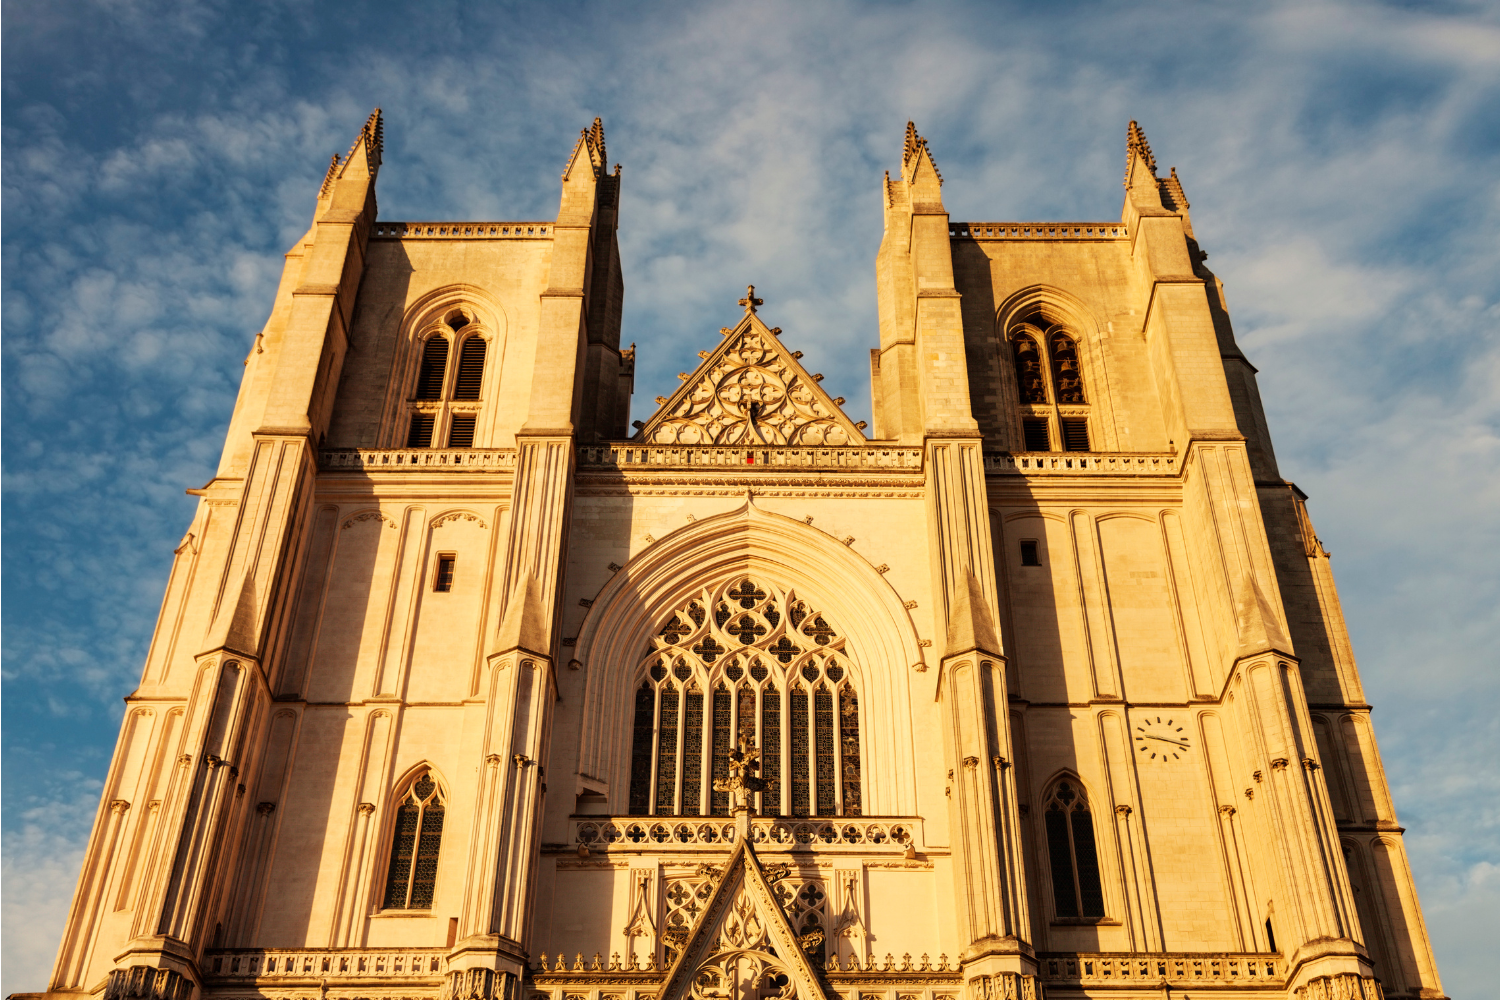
point(750, 301)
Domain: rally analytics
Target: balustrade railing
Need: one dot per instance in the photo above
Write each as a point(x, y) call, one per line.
point(406, 459)
point(325, 963)
point(1039, 230)
point(1072, 463)
point(461, 230)
point(1200, 968)
point(768, 833)
point(628, 456)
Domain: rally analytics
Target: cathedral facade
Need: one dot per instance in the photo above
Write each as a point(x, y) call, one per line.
point(466, 687)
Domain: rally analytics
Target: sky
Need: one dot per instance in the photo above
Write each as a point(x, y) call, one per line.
point(1342, 160)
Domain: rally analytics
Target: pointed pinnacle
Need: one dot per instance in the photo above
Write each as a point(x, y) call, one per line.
point(1135, 142)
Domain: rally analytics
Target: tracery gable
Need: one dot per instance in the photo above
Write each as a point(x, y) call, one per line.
point(742, 942)
point(750, 391)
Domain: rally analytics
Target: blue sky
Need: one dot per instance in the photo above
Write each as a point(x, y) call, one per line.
point(1342, 159)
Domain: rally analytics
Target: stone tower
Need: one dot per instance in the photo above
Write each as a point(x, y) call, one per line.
point(462, 688)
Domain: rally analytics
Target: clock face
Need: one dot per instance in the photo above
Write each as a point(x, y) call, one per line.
point(1159, 740)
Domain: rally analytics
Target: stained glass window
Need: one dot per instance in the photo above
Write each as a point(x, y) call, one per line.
point(770, 754)
point(849, 748)
point(823, 710)
point(800, 748)
point(666, 754)
point(692, 752)
point(760, 646)
point(720, 803)
point(640, 751)
point(416, 841)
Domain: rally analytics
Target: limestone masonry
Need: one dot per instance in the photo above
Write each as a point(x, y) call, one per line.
point(466, 687)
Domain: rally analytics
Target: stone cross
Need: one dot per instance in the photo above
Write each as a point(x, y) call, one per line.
point(744, 761)
point(750, 301)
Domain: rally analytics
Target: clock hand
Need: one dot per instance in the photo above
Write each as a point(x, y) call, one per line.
point(1165, 740)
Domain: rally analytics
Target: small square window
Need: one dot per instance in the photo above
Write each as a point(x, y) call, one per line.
point(1029, 554)
point(1037, 438)
point(443, 581)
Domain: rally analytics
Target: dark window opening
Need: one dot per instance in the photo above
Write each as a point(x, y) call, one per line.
point(1076, 888)
point(1270, 935)
point(470, 369)
point(1067, 378)
point(1075, 434)
point(1037, 437)
point(434, 367)
point(461, 431)
point(443, 582)
point(1029, 370)
point(1029, 554)
point(419, 435)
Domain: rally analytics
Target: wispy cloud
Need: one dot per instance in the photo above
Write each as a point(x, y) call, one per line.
point(1341, 159)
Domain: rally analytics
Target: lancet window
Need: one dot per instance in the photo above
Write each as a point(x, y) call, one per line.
point(746, 661)
point(1049, 384)
point(443, 410)
point(416, 840)
point(1071, 851)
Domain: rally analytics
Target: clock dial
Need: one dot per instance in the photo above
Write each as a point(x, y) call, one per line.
point(1159, 739)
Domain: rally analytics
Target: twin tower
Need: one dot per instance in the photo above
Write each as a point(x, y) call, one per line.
point(466, 688)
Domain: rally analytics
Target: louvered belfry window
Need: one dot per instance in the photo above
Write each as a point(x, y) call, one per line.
point(470, 369)
point(1076, 888)
point(443, 408)
point(1049, 385)
point(434, 368)
point(411, 877)
point(755, 662)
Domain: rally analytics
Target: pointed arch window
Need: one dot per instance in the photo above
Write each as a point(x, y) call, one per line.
point(755, 663)
point(1050, 387)
point(416, 841)
point(1072, 854)
point(444, 405)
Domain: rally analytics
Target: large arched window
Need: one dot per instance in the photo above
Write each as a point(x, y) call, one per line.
point(746, 661)
point(1054, 406)
point(411, 876)
point(445, 398)
point(1071, 852)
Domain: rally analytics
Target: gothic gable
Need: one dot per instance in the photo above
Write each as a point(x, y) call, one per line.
point(750, 391)
point(742, 944)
